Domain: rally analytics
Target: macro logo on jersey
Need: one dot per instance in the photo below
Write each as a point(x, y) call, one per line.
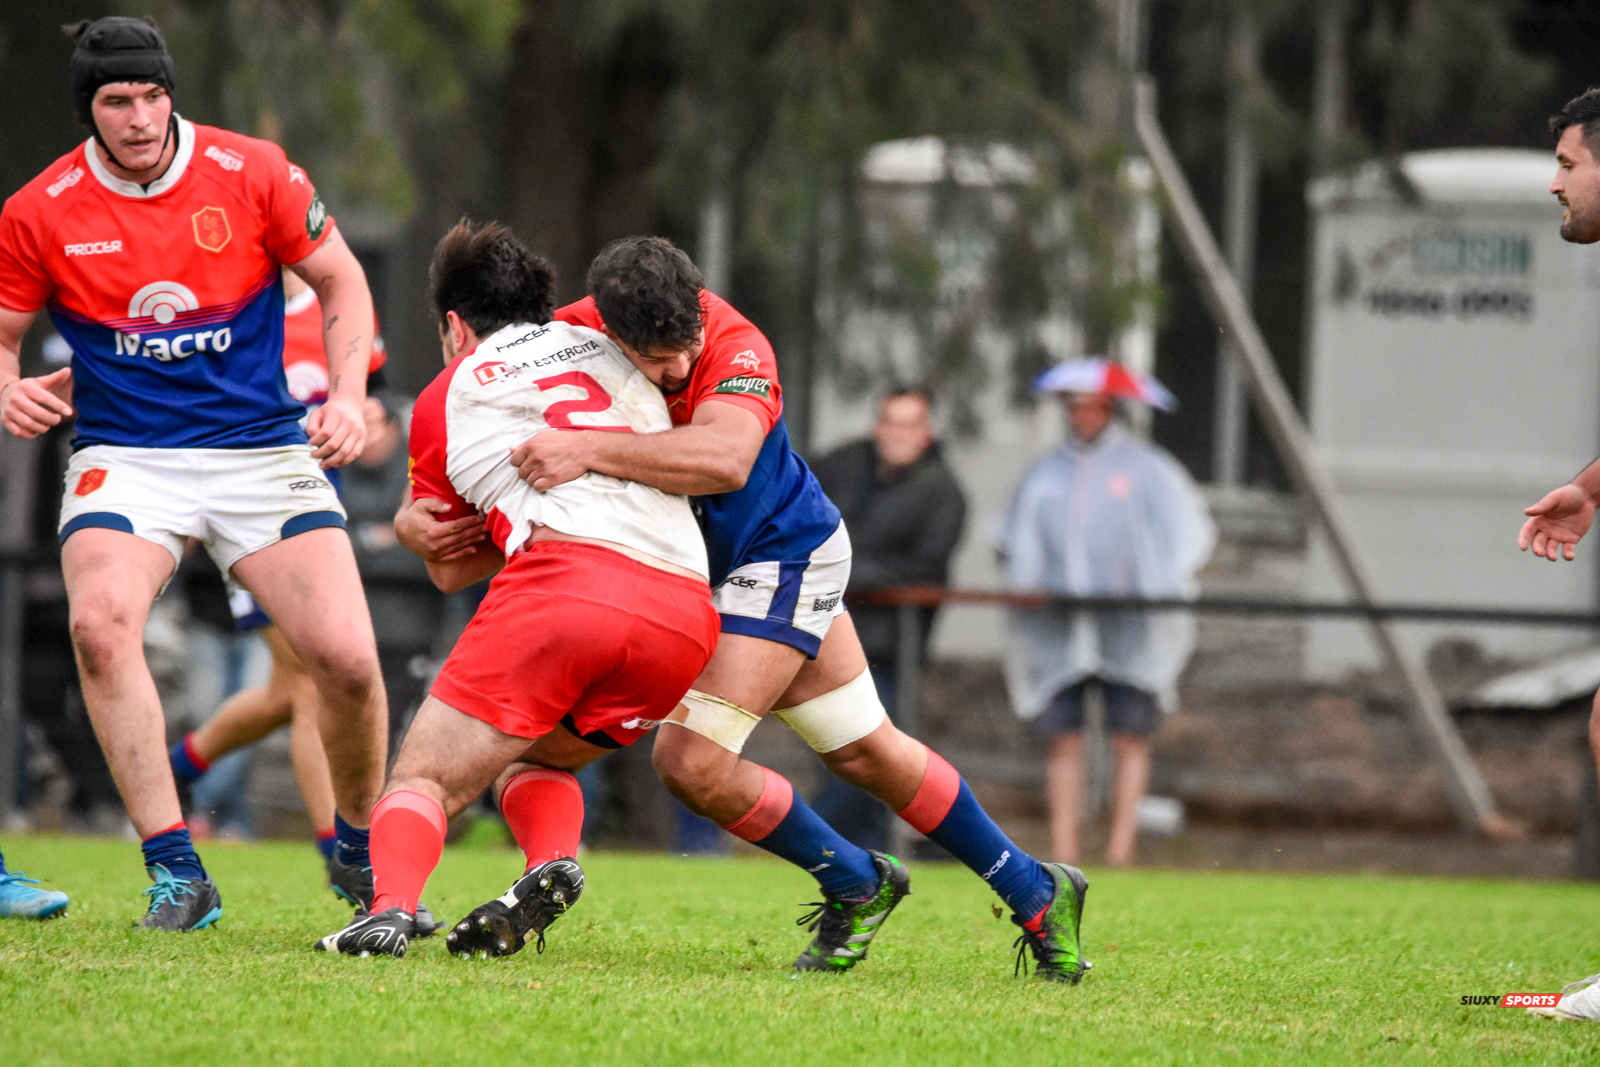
point(160, 304)
point(748, 384)
point(211, 230)
point(316, 217)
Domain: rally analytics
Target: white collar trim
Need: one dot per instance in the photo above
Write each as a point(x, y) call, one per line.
point(133, 190)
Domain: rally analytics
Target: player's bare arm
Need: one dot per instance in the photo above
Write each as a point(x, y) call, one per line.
point(713, 454)
point(337, 429)
point(417, 526)
point(1561, 518)
point(475, 564)
point(28, 406)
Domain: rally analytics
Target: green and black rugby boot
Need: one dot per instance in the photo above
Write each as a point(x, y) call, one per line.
point(537, 899)
point(180, 904)
point(845, 928)
point(387, 933)
point(1056, 946)
point(353, 885)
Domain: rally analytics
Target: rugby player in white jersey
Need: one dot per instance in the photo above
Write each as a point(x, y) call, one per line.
point(598, 619)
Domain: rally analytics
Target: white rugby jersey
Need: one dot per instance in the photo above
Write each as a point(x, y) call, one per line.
point(523, 380)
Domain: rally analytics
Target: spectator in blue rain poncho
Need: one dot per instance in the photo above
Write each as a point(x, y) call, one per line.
point(1106, 514)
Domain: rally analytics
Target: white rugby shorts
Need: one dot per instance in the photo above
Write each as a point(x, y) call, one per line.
point(235, 500)
point(792, 602)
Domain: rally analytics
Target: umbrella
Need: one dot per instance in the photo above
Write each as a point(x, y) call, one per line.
point(1104, 376)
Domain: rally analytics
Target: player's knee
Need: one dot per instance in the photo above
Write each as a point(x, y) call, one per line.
point(347, 676)
point(690, 766)
point(104, 631)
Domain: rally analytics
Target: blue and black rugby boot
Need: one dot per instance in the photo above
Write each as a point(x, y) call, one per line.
point(537, 899)
point(20, 898)
point(1056, 945)
point(180, 904)
point(387, 933)
point(353, 885)
point(845, 928)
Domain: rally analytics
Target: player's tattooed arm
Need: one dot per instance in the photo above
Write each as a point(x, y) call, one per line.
point(338, 428)
point(28, 406)
point(713, 454)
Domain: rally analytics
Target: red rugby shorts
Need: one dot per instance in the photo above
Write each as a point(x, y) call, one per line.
point(583, 637)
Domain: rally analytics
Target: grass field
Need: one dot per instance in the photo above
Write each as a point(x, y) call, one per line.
point(687, 961)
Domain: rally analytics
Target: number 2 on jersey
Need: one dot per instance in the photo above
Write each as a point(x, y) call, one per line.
point(595, 399)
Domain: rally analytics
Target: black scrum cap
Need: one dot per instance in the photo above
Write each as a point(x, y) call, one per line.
point(116, 49)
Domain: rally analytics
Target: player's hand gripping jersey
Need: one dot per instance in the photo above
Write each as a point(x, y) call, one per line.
point(524, 380)
point(779, 554)
point(169, 294)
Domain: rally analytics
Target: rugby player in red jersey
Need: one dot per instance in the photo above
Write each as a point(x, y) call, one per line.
point(156, 247)
point(780, 560)
point(598, 618)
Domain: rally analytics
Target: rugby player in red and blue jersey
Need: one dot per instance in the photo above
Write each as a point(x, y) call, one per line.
point(156, 248)
point(780, 560)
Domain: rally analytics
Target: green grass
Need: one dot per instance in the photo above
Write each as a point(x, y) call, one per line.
point(687, 961)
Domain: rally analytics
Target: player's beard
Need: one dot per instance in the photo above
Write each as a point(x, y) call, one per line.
point(1581, 224)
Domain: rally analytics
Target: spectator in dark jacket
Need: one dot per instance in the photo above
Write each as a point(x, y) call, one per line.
point(904, 511)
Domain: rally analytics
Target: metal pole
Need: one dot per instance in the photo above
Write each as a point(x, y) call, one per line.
point(11, 581)
point(1468, 792)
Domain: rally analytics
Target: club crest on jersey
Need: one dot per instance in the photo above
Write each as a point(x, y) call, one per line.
point(89, 481)
point(211, 231)
point(316, 217)
point(747, 384)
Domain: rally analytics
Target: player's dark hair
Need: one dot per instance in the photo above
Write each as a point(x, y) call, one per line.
point(489, 278)
point(116, 49)
point(1583, 110)
point(647, 291)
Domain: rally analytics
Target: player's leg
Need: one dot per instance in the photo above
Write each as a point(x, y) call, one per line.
point(310, 762)
point(244, 718)
point(1131, 717)
point(1064, 784)
point(22, 898)
point(924, 790)
point(112, 578)
point(447, 760)
point(543, 805)
point(309, 585)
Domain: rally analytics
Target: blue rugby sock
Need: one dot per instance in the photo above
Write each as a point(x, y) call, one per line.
point(186, 762)
point(785, 826)
point(945, 811)
point(172, 849)
point(325, 842)
point(351, 846)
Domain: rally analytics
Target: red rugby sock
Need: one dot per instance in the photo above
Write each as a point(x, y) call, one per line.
point(544, 809)
point(407, 841)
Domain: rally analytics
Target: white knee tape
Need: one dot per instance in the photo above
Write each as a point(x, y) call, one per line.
point(715, 719)
point(835, 719)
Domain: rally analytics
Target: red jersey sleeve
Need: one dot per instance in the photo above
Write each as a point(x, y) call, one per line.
point(24, 285)
point(581, 313)
point(297, 223)
point(429, 449)
point(737, 365)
